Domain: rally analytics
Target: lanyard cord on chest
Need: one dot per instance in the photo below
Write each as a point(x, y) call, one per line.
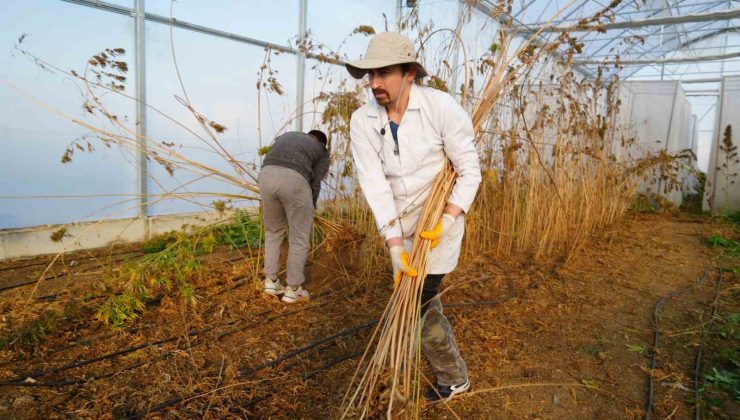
point(394, 132)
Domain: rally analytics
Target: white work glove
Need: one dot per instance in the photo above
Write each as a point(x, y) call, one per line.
point(400, 261)
point(444, 225)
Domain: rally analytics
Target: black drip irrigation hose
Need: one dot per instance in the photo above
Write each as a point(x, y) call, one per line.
point(235, 282)
point(348, 332)
point(66, 382)
point(700, 350)
point(308, 375)
point(99, 265)
point(331, 363)
point(64, 273)
point(152, 302)
point(653, 358)
point(248, 373)
point(23, 380)
point(17, 267)
point(36, 374)
point(20, 380)
point(510, 294)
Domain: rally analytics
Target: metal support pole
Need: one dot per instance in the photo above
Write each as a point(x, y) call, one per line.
point(724, 48)
point(301, 70)
point(140, 68)
point(707, 80)
point(715, 145)
point(718, 132)
point(677, 84)
point(399, 14)
point(456, 54)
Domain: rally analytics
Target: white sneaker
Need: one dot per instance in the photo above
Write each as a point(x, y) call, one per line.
point(293, 295)
point(273, 287)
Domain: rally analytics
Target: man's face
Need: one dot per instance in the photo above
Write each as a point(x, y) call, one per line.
point(386, 83)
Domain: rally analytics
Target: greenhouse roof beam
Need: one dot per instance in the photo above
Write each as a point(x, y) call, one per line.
point(525, 6)
point(715, 32)
point(702, 74)
point(660, 53)
point(621, 34)
point(485, 7)
point(709, 35)
point(655, 32)
point(625, 31)
point(707, 80)
point(697, 59)
point(622, 12)
point(641, 23)
point(122, 10)
point(705, 27)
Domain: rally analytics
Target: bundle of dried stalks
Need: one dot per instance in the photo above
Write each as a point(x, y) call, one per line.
point(390, 381)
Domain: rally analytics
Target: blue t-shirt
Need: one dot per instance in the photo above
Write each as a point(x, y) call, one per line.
point(394, 131)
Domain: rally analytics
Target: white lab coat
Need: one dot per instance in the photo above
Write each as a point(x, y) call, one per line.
point(433, 128)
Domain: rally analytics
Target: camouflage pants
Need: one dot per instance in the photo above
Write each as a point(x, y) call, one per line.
point(437, 339)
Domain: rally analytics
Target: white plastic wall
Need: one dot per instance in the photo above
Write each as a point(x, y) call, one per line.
point(722, 193)
point(219, 75)
point(658, 115)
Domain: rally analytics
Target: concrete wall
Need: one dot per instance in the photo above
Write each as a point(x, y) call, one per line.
point(33, 241)
point(722, 192)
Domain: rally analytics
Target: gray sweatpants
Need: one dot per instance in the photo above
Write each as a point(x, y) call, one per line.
point(288, 205)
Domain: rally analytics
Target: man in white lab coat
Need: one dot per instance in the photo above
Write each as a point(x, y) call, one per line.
point(400, 140)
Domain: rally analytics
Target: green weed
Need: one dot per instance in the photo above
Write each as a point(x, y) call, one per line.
point(244, 230)
point(732, 217)
point(139, 282)
point(35, 333)
point(595, 348)
point(729, 246)
point(643, 204)
point(724, 380)
point(723, 376)
point(636, 348)
point(158, 243)
point(169, 266)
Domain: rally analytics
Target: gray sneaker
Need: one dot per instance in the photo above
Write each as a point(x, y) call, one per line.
point(273, 287)
point(297, 294)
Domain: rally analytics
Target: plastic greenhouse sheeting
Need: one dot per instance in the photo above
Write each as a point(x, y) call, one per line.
point(658, 115)
point(722, 193)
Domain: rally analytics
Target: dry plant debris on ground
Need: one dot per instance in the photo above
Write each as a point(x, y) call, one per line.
point(548, 340)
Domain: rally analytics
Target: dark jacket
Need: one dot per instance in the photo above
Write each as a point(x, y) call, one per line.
point(303, 154)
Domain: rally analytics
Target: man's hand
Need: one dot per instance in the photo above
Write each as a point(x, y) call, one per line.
point(400, 260)
point(440, 230)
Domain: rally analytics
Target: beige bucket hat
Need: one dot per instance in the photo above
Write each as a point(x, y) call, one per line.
point(386, 49)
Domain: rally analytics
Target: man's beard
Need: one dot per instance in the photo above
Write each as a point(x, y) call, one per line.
point(383, 100)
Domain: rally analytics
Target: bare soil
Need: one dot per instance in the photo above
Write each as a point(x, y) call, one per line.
point(542, 339)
